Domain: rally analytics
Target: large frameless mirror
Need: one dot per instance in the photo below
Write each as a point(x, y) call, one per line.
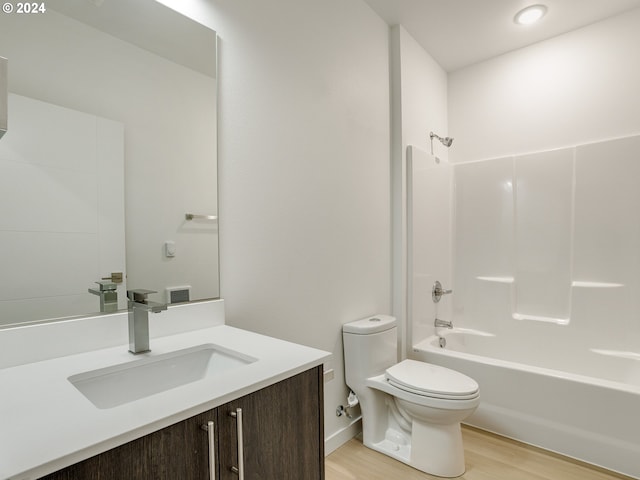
point(108, 165)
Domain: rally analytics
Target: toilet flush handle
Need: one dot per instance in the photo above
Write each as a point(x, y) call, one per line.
point(437, 291)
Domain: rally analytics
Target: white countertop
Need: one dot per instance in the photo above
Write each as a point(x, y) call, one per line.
point(47, 424)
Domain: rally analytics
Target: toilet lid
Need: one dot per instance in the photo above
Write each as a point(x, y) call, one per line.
point(431, 380)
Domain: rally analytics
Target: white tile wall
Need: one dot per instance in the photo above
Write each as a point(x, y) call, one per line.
point(45, 141)
point(41, 198)
point(61, 209)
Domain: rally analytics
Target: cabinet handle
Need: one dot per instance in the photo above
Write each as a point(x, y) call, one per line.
point(240, 468)
point(212, 449)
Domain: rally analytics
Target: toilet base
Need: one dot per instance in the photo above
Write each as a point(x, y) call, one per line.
point(433, 449)
point(401, 453)
point(437, 449)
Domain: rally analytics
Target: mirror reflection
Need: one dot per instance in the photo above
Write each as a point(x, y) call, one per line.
point(111, 142)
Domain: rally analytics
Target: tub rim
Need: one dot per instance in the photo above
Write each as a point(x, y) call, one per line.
point(430, 344)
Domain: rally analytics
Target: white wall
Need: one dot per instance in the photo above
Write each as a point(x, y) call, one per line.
point(419, 99)
point(573, 89)
point(304, 170)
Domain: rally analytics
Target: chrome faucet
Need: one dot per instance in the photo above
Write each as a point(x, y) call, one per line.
point(443, 323)
point(139, 308)
point(108, 296)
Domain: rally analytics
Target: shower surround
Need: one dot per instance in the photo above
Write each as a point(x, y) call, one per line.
point(543, 254)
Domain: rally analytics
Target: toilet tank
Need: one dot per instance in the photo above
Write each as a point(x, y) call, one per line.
point(370, 347)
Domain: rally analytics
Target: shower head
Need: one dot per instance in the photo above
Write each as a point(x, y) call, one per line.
point(446, 141)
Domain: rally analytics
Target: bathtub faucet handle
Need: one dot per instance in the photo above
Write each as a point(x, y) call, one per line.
point(437, 291)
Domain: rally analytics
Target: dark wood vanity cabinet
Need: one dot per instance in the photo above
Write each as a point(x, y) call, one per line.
point(282, 438)
point(282, 430)
point(179, 451)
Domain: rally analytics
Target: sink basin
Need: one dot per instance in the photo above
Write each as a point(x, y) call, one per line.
point(119, 384)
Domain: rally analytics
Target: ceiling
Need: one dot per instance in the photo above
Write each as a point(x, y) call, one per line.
point(458, 33)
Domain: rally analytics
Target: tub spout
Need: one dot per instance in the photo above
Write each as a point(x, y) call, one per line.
point(443, 323)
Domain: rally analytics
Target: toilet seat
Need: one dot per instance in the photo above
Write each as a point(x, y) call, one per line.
point(430, 380)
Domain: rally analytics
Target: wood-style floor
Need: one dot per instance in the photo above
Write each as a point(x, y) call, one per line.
point(487, 457)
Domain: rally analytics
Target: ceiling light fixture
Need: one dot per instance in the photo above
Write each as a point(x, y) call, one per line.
point(530, 15)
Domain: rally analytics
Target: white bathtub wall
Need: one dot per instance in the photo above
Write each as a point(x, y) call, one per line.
point(553, 260)
point(483, 243)
point(543, 236)
point(607, 244)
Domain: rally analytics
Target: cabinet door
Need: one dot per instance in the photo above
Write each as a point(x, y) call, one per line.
point(180, 451)
point(282, 431)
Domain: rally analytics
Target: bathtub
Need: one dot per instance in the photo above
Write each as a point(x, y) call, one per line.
point(596, 420)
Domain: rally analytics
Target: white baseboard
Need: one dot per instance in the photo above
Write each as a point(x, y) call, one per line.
point(342, 436)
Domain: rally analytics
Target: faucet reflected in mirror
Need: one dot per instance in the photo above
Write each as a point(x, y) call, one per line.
point(139, 308)
point(108, 294)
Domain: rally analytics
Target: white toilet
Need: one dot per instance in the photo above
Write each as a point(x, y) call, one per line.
point(411, 410)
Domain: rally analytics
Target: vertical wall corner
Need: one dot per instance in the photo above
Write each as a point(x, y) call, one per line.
point(4, 96)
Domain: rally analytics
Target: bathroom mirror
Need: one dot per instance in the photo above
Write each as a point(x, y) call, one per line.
point(111, 143)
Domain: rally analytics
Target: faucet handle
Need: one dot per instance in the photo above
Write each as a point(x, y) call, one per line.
point(437, 291)
point(139, 295)
point(103, 287)
point(115, 277)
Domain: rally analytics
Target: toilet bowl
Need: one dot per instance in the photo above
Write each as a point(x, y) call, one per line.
point(411, 410)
